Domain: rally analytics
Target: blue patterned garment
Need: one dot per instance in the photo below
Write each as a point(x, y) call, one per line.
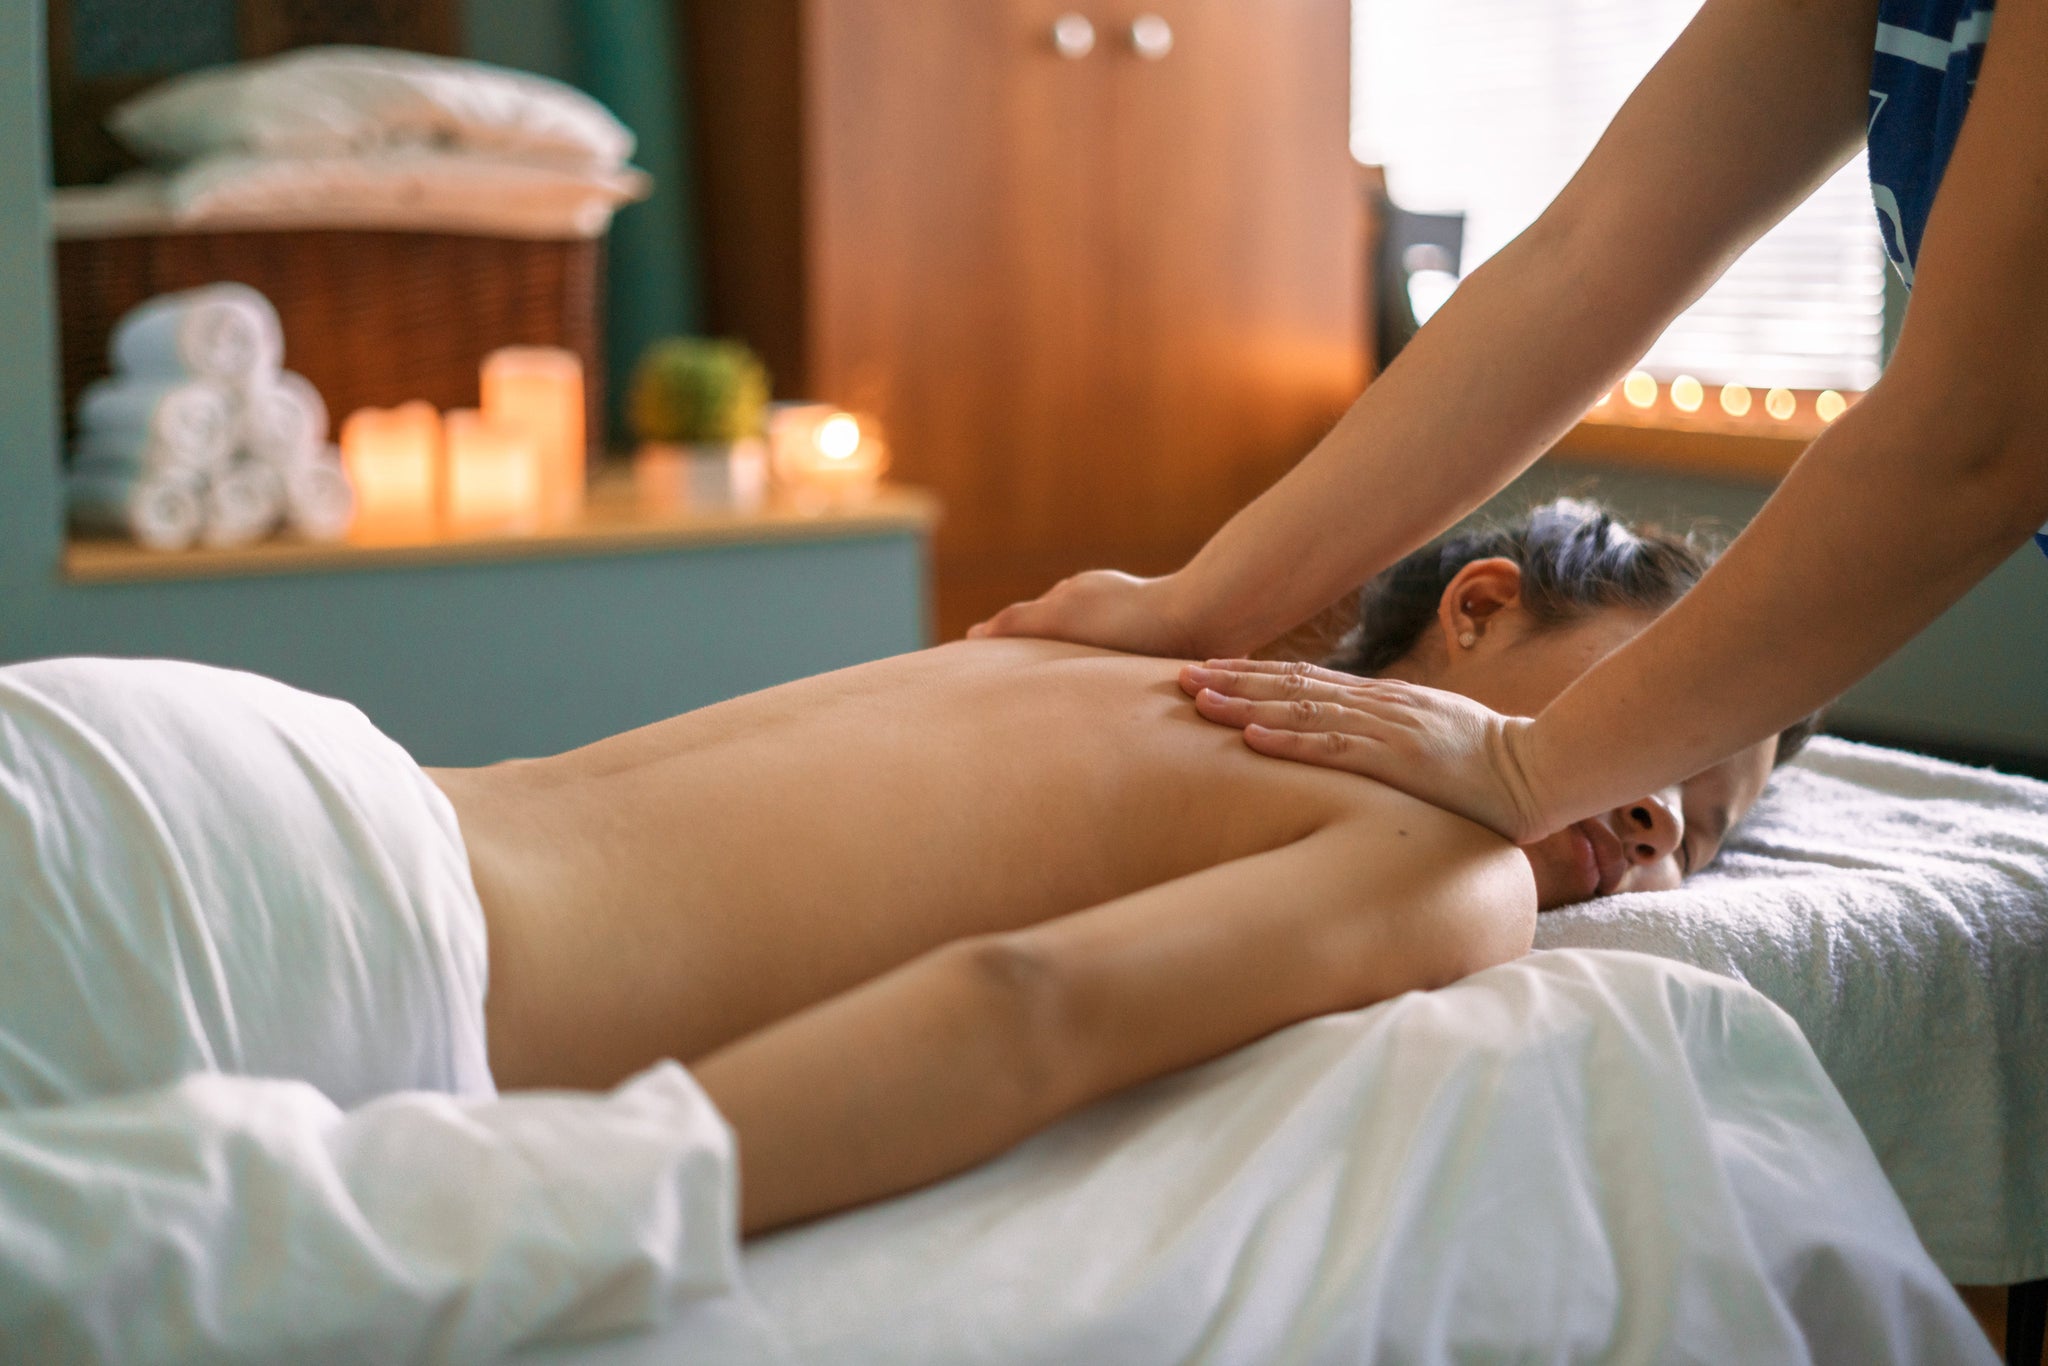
point(1921, 79)
point(1922, 75)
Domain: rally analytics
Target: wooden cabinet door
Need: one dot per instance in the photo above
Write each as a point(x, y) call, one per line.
point(1097, 301)
point(959, 243)
point(1237, 326)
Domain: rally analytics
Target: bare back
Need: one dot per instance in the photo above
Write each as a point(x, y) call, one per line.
point(674, 888)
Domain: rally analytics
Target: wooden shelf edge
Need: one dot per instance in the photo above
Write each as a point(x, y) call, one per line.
point(1724, 455)
point(612, 526)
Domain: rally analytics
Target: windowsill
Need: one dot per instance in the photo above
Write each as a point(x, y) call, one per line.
point(1749, 457)
point(613, 522)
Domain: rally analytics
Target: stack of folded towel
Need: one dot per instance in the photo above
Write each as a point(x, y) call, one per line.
point(201, 436)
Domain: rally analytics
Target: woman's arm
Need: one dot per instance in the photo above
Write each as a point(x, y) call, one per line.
point(959, 1054)
point(1755, 105)
point(1908, 500)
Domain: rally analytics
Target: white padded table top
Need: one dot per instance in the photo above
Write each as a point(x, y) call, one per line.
point(1897, 908)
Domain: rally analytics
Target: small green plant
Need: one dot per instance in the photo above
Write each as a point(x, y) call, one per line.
point(699, 392)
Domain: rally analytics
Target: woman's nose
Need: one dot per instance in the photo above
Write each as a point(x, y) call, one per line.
point(1650, 827)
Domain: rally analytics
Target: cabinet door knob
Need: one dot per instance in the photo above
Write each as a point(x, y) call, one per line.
point(1151, 37)
point(1073, 37)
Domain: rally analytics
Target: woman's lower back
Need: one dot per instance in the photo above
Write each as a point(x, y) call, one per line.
point(666, 891)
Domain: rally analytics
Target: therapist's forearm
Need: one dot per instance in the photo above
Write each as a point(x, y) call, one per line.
point(1508, 365)
point(1888, 519)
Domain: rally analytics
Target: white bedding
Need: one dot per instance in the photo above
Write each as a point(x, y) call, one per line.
point(1897, 908)
point(1578, 1157)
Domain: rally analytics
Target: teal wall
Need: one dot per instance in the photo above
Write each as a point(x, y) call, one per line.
point(460, 663)
point(623, 52)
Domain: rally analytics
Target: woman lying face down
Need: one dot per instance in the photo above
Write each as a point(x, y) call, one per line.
point(897, 917)
point(1510, 616)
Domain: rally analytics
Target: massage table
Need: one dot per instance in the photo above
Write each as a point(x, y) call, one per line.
point(1592, 1153)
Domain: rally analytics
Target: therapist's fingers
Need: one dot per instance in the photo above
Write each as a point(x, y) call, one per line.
point(1319, 707)
point(1265, 679)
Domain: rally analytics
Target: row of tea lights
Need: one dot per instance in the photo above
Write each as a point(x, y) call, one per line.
point(518, 459)
point(1689, 395)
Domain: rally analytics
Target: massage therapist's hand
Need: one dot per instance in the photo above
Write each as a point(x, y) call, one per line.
point(1440, 746)
point(1101, 607)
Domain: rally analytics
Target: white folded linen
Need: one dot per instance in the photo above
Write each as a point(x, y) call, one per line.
point(243, 504)
point(179, 423)
point(223, 1219)
point(319, 500)
point(226, 332)
point(161, 510)
point(1577, 1157)
point(336, 101)
point(1897, 908)
point(281, 420)
point(416, 189)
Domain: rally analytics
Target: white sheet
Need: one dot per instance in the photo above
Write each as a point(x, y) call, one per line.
point(1578, 1157)
point(229, 1219)
point(1897, 908)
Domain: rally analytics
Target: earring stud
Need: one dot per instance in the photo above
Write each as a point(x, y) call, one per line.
point(1468, 640)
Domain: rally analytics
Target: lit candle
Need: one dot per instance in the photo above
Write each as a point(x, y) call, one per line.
point(1735, 399)
point(393, 459)
point(818, 449)
point(538, 390)
point(1781, 404)
point(1640, 389)
point(1830, 405)
point(1687, 394)
point(495, 474)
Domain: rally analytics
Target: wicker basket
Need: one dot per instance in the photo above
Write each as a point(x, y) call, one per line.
point(371, 318)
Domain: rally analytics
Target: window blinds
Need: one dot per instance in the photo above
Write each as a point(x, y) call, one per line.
point(1488, 106)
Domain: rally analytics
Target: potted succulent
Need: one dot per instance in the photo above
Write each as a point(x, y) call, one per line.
point(699, 407)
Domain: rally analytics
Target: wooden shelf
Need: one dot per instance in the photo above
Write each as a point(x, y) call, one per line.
point(1746, 456)
point(614, 521)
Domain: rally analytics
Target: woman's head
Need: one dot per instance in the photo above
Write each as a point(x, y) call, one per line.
point(1510, 615)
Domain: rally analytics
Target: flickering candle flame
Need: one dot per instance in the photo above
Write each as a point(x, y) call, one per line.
point(1687, 394)
point(1781, 404)
point(817, 448)
point(496, 474)
point(393, 460)
point(1639, 389)
point(1735, 400)
point(538, 390)
point(1830, 405)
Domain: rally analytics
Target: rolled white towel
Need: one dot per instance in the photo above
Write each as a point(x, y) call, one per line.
point(242, 505)
point(144, 455)
point(160, 510)
point(283, 420)
point(226, 332)
point(319, 500)
point(192, 421)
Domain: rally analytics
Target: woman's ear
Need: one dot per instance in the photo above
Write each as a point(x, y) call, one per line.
point(1474, 600)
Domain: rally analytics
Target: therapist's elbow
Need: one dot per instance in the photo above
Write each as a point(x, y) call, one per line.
point(1981, 441)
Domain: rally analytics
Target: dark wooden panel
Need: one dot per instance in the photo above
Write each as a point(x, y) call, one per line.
point(745, 78)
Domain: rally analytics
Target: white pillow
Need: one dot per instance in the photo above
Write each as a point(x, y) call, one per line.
point(331, 101)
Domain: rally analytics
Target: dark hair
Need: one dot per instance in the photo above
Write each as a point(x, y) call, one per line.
point(1576, 558)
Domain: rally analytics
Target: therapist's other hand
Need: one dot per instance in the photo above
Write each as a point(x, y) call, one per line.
point(1440, 746)
point(1101, 607)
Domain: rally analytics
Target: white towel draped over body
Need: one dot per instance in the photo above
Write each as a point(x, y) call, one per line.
point(210, 871)
point(246, 1114)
